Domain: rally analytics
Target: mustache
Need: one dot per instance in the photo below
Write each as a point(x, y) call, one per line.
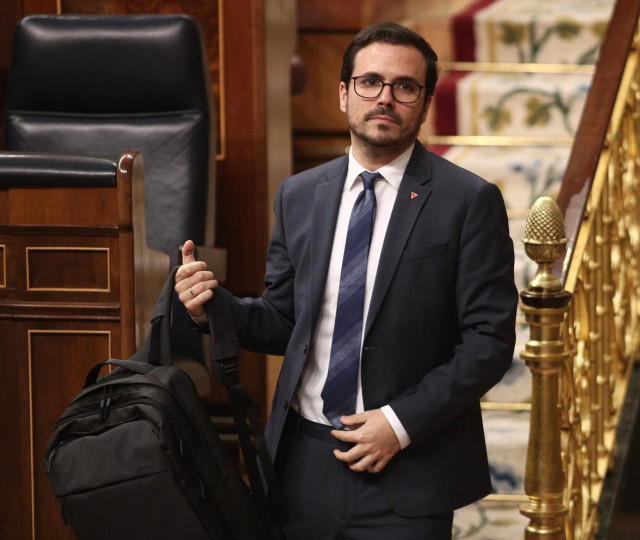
point(381, 111)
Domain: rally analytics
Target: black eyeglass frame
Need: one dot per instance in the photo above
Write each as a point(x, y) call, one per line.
point(355, 79)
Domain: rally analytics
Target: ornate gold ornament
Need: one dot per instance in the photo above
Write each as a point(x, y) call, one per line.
point(544, 243)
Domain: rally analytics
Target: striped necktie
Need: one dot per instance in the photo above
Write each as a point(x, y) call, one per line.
point(341, 387)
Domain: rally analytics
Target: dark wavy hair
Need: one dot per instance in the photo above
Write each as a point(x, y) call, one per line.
point(394, 34)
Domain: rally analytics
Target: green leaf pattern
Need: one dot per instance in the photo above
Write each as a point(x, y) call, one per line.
point(540, 104)
point(530, 38)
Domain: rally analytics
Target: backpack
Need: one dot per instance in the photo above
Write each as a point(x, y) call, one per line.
point(135, 455)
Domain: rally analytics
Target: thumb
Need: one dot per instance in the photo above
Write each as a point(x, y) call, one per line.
point(188, 252)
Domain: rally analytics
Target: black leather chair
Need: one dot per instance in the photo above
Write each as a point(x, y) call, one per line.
point(100, 85)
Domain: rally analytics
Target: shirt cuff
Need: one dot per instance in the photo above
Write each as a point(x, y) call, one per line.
point(397, 427)
point(200, 320)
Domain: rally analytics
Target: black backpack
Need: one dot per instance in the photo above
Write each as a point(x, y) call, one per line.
point(135, 455)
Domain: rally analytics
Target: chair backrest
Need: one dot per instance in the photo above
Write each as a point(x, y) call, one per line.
point(95, 85)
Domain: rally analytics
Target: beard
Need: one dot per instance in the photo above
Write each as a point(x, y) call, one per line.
point(383, 138)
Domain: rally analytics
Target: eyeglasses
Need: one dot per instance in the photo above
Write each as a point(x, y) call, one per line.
point(371, 87)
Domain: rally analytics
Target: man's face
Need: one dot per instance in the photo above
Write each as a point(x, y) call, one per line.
point(383, 123)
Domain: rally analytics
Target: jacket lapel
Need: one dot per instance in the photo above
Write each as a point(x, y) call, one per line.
point(325, 214)
point(412, 196)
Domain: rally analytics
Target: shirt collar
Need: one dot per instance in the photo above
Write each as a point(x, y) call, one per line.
point(392, 172)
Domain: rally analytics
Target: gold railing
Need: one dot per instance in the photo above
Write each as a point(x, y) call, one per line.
point(581, 352)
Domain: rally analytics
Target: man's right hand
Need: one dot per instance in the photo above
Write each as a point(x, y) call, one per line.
point(194, 283)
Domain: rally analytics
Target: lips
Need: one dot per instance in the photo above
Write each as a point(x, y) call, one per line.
point(384, 119)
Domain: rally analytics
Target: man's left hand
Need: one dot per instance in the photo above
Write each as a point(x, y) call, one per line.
point(375, 441)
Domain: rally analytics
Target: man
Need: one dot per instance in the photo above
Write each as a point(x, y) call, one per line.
point(432, 325)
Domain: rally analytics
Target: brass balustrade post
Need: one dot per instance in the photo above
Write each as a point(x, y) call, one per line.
point(545, 304)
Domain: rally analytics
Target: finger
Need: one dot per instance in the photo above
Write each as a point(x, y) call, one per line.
point(201, 286)
point(377, 466)
point(191, 270)
point(189, 264)
point(351, 455)
point(357, 460)
point(198, 300)
point(193, 275)
point(188, 252)
point(195, 302)
point(344, 435)
point(190, 289)
point(363, 464)
point(354, 420)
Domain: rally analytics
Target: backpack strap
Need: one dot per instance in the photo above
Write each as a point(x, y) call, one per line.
point(225, 350)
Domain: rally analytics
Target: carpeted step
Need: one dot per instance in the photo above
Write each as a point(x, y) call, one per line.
point(489, 520)
point(463, 31)
point(507, 435)
point(522, 173)
point(531, 31)
point(545, 105)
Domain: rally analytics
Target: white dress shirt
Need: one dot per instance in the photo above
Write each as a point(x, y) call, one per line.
point(308, 401)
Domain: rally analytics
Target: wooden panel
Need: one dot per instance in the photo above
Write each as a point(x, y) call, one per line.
point(8, 262)
point(42, 369)
point(45, 267)
point(313, 150)
point(395, 10)
point(3, 266)
point(68, 269)
point(317, 110)
point(330, 14)
point(242, 194)
point(241, 222)
point(58, 363)
point(39, 6)
point(4, 205)
point(89, 207)
point(10, 13)
point(15, 496)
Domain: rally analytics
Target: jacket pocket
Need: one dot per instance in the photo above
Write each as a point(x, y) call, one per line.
point(425, 252)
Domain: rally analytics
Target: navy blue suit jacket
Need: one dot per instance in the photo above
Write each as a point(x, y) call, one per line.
point(441, 325)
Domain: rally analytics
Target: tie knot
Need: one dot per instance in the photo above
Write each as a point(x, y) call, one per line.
point(368, 178)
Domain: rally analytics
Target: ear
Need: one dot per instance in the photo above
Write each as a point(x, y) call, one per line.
point(343, 91)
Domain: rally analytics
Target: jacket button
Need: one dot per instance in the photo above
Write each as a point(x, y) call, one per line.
point(306, 348)
point(285, 405)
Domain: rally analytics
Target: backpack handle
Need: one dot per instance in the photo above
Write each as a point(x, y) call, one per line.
point(137, 367)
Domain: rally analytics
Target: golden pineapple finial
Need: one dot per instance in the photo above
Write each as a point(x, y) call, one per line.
point(545, 242)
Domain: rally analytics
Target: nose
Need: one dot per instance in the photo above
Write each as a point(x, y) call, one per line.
point(386, 96)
